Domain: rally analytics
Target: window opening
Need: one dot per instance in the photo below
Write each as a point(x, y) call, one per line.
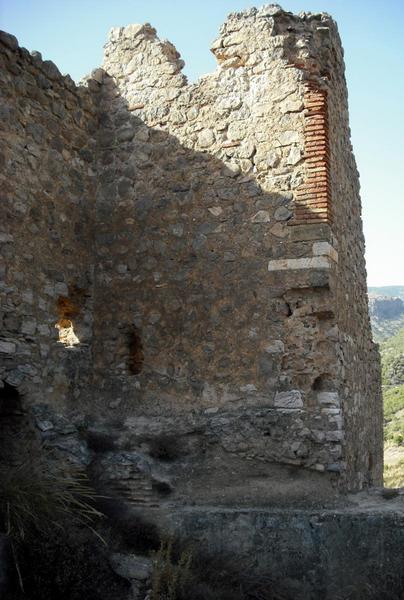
point(67, 337)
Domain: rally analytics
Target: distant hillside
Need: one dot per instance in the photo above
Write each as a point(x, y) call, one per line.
point(392, 355)
point(386, 308)
point(386, 311)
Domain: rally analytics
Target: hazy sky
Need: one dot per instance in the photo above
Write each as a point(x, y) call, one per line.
point(72, 33)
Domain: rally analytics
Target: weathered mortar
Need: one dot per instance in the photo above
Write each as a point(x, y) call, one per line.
point(205, 241)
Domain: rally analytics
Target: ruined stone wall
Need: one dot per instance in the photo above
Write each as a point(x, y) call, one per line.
point(205, 241)
point(358, 357)
point(47, 208)
point(309, 555)
point(222, 258)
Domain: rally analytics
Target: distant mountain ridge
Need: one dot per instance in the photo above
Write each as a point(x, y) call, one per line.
point(386, 309)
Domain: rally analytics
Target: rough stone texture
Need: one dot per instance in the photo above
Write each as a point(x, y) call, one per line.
point(47, 222)
point(351, 551)
point(200, 249)
point(131, 566)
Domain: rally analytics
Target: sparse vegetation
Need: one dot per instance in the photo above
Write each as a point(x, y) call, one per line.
point(185, 573)
point(39, 495)
point(394, 474)
point(393, 401)
point(392, 355)
point(394, 415)
point(171, 574)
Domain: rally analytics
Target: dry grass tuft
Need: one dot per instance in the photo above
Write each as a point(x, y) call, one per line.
point(40, 495)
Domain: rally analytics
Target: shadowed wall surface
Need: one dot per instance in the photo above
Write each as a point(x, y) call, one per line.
point(204, 244)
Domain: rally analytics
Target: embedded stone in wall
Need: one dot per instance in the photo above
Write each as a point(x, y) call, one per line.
point(292, 399)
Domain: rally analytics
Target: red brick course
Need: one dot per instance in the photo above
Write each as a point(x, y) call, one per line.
point(312, 198)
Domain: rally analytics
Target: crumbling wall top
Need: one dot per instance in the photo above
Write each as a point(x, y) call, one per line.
point(208, 316)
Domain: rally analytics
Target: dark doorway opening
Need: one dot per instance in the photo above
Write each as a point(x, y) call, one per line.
point(10, 400)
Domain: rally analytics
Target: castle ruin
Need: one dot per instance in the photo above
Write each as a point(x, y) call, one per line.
point(182, 266)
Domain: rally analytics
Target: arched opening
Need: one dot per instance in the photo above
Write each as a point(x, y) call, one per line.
point(136, 355)
point(324, 383)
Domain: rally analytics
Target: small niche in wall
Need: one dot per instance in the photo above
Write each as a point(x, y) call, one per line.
point(136, 355)
point(67, 337)
point(324, 383)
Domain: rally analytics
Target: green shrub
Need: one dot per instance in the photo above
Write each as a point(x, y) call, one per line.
point(398, 438)
point(394, 415)
point(392, 354)
point(393, 399)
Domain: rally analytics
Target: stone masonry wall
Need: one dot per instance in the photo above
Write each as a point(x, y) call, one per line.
point(47, 213)
point(227, 266)
point(208, 251)
point(359, 360)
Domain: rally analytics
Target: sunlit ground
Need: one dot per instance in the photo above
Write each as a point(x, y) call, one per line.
point(394, 466)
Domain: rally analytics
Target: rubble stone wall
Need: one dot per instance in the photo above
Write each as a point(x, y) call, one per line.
point(309, 555)
point(207, 246)
point(47, 213)
point(359, 373)
point(223, 257)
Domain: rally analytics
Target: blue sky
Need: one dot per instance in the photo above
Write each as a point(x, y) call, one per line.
point(72, 33)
